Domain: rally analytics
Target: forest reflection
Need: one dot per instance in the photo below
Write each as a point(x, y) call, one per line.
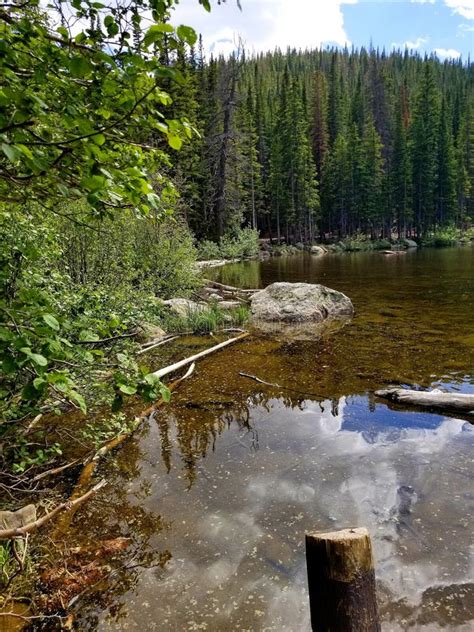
point(193, 428)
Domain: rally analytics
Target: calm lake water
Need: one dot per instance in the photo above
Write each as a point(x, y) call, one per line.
point(217, 491)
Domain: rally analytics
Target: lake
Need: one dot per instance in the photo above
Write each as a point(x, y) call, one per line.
point(217, 491)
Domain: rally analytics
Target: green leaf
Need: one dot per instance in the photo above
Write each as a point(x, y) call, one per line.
point(128, 390)
point(38, 383)
point(37, 358)
point(88, 336)
point(165, 393)
point(51, 321)
point(155, 32)
point(187, 34)
point(79, 400)
point(175, 142)
point(94, 183)
point(80, 67)
point(99, 139)
point(11, 152)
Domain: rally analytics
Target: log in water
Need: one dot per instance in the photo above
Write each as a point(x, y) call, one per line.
point(460, 402)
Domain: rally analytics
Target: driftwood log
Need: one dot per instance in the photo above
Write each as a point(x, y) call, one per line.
point(227, 288)
point(179, 365)
point(458, 402)
point(341, 581)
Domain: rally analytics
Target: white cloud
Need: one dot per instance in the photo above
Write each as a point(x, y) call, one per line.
point(411, 45)
point(422, 1)
point(447, 52)
point(463, 7)
point(267, 24)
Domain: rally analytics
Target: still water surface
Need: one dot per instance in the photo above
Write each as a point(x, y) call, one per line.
point(219, 488)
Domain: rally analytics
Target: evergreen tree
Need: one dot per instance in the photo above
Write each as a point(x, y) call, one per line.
point(424, 147)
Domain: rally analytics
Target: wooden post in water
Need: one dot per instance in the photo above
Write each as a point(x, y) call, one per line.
point(341, 581)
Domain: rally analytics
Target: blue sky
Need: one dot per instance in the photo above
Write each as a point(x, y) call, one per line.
point(443, 26)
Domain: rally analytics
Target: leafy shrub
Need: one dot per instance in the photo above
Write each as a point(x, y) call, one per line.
point(242, 243)
point(208, 250)
point(442, 238)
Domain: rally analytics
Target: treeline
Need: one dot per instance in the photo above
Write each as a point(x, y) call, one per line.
point(325, 143)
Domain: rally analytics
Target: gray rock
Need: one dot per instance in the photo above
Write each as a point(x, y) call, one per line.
point(216, 298)
point(317, 250)
point(299, 245)
point(230, 304)
point(409, 243)
point(299, 303)
point(17, 519)
point(183, 306)
point(147, 331)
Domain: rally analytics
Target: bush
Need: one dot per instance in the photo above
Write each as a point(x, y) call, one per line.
point(208, 250)
point(64, 283)
point(241, 244)
point(442, 237)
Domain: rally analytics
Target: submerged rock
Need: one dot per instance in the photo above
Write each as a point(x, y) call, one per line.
point(300, 306)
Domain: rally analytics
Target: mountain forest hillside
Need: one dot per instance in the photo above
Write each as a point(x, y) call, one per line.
point(326, 143)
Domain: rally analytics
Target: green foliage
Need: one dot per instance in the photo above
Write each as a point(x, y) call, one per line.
point(243, 243)
point(25, 455)
point(72, 104)
point(362, 242)
point(442, 237)
point(8, 564)
point(100, 431)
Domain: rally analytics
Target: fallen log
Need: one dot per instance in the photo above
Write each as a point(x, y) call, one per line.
point(459, 402)
point(227, 288)
point(179, 365)
point(156, 344)
point(341, 581)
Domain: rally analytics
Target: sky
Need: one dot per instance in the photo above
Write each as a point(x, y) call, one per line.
point(442, 26)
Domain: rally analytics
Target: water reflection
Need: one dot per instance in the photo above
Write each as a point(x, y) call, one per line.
point(228, 478)
point(241, 485)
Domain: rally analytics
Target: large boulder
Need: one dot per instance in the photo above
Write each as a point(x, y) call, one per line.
point(297, 303)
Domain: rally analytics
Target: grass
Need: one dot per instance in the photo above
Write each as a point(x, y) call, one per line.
point(211, 319)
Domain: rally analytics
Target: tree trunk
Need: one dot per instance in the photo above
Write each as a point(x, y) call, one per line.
point(341, 581)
